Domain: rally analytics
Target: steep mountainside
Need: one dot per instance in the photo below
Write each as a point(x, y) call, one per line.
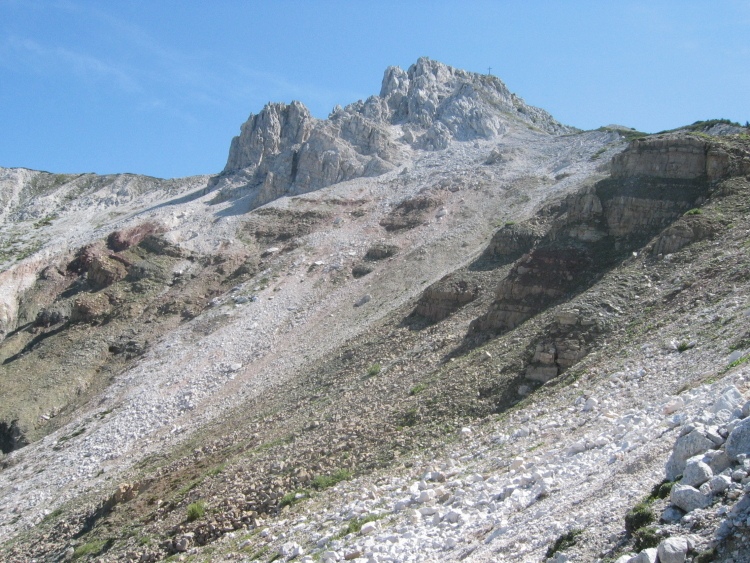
point(437, 326)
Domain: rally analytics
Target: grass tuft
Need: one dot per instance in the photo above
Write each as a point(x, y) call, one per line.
point(196, 510)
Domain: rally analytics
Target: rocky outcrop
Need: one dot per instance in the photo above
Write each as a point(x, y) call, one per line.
point(513, 240)
point(534, 282)
point(283, 150)
point(684, 157)
point(566, 342)
point(653, 183)
point(11, 437)
point(446, 296)
point(410, 213)
point(125, 238)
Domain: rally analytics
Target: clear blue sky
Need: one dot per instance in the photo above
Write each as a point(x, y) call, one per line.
point(161, 87)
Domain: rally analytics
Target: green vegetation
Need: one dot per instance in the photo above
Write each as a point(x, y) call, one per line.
point(321, 482)
point(196, 510)
point(645, 538)
point(705, 124)
point(639, 516)
point(706, 556)
point(565, 541)
point(683, 346)
point(624, 132)
point(410, 417)
point(355, 524)
point(373, 370)
point(45, 221)
point(292, 498)
point(660, 491)
point(95, 547)
point(216, 470)
point(738, 362)
point(598, 153)
point(52, 515)
point(694, 211)
point(417, 389)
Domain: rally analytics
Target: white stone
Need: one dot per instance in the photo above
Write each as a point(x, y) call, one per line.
point(688, 498)
point(452, 517)
point(729, 400)
point(720, 483)
point(590, 404)
point(692, 443)
point(673, 550)
point(696, 472)
point(646, 556)
point(738, 442)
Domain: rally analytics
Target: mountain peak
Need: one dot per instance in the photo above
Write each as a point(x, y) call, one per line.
point(284, 150)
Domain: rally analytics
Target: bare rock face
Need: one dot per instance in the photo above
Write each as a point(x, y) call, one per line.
point(536, 280)
point(90, 308)
point(684, 157)
point(283, 150)
point(513, 240)
point(665, 157)
point(124, 239)
point(446, 296)
point(438, 100)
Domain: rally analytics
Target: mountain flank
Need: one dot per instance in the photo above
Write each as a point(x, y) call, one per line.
point(436, 326)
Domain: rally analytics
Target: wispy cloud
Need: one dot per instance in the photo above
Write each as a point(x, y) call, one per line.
point(155, 76)
point(33, 56)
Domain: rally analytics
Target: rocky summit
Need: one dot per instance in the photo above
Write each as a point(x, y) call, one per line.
point(437, 326)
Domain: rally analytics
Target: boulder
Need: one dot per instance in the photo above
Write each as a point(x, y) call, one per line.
point(685, 447)
point(645, 556)
point(730, 399)
point(738, 442)
point(696, 472)
point(720, 483)
point(688, 498)
point(717, 460)
point(671, 515)
point(673, 550)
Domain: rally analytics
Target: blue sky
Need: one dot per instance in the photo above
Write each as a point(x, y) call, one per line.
point(160, 87)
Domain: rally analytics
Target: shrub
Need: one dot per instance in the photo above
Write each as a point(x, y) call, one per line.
point(694, 211)
point(196, 510)
point(645, 538)
point(706, 556)
point(568, 539)
point(639, 516)
point(374, 369)
point(661, 490)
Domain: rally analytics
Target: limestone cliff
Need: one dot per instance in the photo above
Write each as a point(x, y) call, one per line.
point(284, 150)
